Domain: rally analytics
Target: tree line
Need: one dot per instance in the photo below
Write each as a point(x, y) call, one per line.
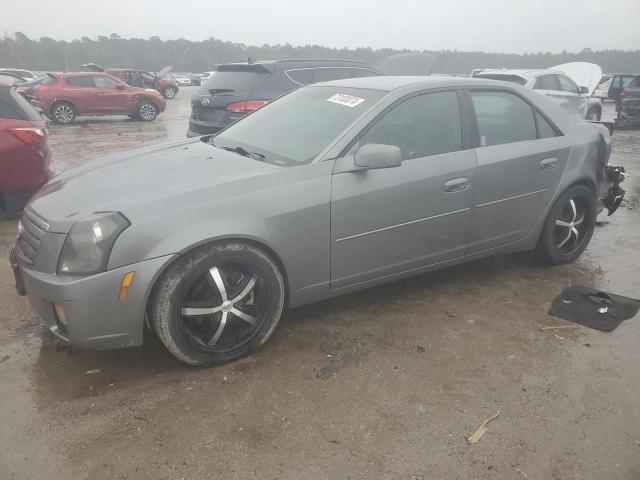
point(48, 54)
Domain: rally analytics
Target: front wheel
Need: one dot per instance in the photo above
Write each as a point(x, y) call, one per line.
point(569, 225)
point(147, 111)
point(218, 304)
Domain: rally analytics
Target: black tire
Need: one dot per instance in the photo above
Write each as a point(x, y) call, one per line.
point(63, 112)
point(147, 111)
point(169, 93)
point(594, 114)
point(183, 303)
point(573, 211)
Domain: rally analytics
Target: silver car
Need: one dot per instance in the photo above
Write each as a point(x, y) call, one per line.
point(332, 188)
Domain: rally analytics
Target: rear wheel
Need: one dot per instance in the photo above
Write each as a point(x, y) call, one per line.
point(218, 303)
point(169, 92)
point(63, 112)
point(593, 114)
point(569, 225)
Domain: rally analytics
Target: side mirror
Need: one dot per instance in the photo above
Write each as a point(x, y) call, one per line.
point(584, 90)
point(119, 87)
point(376, 155)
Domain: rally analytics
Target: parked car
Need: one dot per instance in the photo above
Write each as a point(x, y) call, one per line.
point(240, 88)
point(24, 154)
point(181, 80)
point(19, 72)
point(329, 189)
point(631, 101)
point(602, 90)
point(94, 93)
point(26, 89)
point(196, 80)
point(167, 87)
point(557, 85)
point(619, 82)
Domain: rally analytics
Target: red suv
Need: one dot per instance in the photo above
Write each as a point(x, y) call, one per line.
point(24, 154)
point(66, 95)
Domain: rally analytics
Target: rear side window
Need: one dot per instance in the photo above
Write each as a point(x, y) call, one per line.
point(503, 118)
point(14, 106)
point(235, 81)
point(326, 74)
point(545, 129)
point(545, 82)
point(421, 126)
point(303, 76)
point(567, 85)
point(86, 82)
point(635, 83)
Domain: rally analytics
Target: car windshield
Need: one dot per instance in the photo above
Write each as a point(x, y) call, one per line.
point(297, 127)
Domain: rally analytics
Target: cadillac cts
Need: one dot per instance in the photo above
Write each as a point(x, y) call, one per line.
point(329, 189)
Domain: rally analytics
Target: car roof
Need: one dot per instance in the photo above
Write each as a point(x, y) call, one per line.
point(389, 83)
point(86, 74)
point(304, 63)
point(522, 72)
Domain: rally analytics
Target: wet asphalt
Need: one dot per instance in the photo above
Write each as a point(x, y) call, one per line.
point(381, 384)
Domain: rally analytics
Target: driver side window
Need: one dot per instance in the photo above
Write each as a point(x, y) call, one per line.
point(421, 126)
point(567, 85)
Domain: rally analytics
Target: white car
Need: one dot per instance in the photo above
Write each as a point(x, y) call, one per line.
point(571, 85)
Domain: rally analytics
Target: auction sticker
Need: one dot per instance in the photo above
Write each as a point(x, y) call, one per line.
point(346, 100)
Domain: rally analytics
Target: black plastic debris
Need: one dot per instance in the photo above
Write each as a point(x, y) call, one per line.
point(593, 308)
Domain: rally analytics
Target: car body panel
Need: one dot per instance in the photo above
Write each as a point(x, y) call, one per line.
point(331, 227)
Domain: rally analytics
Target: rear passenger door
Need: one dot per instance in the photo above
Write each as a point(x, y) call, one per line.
point(521, 157)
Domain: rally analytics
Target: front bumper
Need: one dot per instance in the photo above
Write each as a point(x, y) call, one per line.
point(94, 317)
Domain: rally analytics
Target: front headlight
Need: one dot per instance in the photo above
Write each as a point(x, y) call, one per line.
point(88, 245)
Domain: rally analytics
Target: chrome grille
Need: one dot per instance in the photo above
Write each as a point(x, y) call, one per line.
point(31, 229)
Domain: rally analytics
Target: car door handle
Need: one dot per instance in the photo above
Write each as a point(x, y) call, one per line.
point(456, 185)
point(548, 163)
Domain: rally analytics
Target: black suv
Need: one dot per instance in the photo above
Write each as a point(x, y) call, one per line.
point(236, 89)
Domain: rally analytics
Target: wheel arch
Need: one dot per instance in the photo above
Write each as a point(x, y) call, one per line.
point(58, 101)
point(257, 243)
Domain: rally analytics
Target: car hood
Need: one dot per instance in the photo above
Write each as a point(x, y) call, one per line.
point(583, 73)
point(135, 181)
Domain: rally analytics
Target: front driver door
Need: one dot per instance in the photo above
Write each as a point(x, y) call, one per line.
point(388, 221)
point(113, 96)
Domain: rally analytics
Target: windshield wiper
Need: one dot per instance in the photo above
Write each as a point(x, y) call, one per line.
point(244, 152)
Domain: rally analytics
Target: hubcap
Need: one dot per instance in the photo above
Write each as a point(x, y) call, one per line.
point(147, 111)
point(570, 227)
point(221, 309)
point(63, 113)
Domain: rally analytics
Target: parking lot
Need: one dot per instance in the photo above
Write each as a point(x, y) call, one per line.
point(381, 384)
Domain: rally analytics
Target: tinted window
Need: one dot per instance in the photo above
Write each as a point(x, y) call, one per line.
point(13, 105)
point(297, 127)
point(148, 80)
point(545, 129)
point(232, 81)
point(420, 126)
point(545, 82)
point(80, 81)
point(566, 84)
point(363, 72)
point(104, 82)
point(635, 83)
point(625, 80)
point(303, 76)
point(326, 74)
point(503, 118)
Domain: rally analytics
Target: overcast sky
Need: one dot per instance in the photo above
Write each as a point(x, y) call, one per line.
point(485, 25)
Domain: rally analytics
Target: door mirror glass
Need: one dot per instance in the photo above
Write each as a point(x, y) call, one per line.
point(584, 90)
point(375, 155)
point(119, 87)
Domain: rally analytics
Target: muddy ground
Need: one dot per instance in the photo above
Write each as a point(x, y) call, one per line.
point(381, 384)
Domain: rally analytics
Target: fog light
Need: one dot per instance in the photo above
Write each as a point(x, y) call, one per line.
point(60, 315)
point(127, 280)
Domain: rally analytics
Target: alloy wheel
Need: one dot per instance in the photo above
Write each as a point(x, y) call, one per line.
point(170, 93)
point(570, 226)
point(223, 308)
point(147, 111)
point(63, 113)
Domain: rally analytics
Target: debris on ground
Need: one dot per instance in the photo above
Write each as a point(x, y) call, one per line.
point(559, 327)
point(95, 370)
point(481, 430)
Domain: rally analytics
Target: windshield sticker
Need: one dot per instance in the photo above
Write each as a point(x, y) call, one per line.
point(346, 100)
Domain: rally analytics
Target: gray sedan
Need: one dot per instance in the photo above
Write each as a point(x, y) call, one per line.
point(329, 189)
